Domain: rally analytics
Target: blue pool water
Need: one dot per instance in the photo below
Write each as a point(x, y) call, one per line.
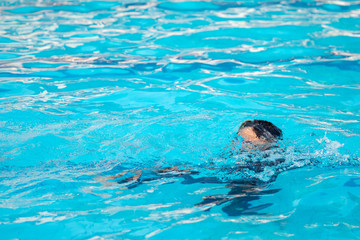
point(93, 89)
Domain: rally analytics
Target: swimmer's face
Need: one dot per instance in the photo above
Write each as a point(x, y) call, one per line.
point(249, 136)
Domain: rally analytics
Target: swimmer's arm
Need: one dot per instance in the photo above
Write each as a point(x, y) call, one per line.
point(136, 178)
point(107, 178)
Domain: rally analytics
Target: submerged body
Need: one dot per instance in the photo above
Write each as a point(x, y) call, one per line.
point(257, 135)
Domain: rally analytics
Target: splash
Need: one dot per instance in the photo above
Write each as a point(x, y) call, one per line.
point(265, 166)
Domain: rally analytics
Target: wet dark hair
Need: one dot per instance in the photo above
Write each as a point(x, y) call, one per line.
point(263, 129)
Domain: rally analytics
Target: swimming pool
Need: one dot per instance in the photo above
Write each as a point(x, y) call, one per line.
point(92, 89)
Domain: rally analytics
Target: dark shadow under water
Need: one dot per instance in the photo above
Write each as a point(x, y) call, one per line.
point(238, 201)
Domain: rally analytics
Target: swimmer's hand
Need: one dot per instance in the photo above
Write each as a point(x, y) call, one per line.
point(105, 181)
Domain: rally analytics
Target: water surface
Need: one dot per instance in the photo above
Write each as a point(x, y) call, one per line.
point(90, 89)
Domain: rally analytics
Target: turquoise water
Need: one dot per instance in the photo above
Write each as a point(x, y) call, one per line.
point(92, 89)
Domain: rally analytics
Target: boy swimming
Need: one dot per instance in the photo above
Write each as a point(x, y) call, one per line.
point(257, 135)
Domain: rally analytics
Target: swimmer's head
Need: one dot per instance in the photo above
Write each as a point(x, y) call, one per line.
point(259, 132)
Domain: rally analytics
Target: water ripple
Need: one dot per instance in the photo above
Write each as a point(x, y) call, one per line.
point(92, 89)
